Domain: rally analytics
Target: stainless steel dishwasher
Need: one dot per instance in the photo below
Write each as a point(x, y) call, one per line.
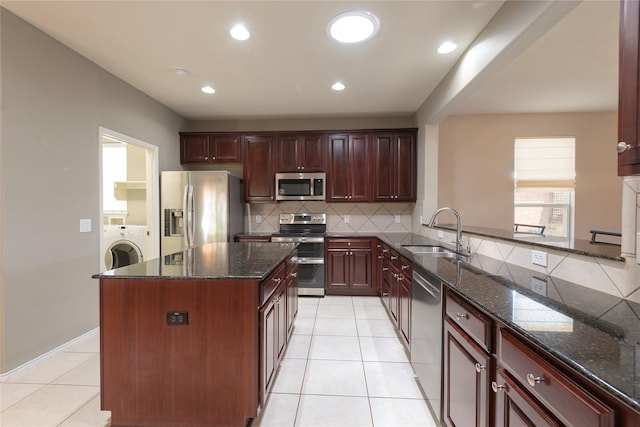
point(426, 337)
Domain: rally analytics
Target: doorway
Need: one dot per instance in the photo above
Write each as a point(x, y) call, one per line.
point(129, 199)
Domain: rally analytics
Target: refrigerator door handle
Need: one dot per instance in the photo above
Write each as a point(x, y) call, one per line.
point(186, 215)
point(191, 223)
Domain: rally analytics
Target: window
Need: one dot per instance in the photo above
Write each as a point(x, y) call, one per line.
point(544, 196)
point(114, 168)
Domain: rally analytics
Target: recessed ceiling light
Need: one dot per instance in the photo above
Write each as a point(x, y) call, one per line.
point(208, 89)
point(353, 27)
point(447, 47)
point(338, 86)
point(240, 32)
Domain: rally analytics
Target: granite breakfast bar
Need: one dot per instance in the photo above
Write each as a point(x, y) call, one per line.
point(194, 338)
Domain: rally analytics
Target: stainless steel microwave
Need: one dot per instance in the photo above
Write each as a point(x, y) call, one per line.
point(300, 186)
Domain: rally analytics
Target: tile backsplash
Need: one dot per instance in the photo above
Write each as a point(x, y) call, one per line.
point(341, 217)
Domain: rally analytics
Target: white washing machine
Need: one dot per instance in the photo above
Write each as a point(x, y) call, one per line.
point(124, 245)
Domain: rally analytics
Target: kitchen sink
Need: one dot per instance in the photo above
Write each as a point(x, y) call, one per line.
point(431, 250)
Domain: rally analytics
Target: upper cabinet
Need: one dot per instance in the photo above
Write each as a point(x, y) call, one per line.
point(210, 148)
point(348, 171)
point(394, 167)
point(360, 166)
point(258, 168)
point(628, 110)
point(301, 152)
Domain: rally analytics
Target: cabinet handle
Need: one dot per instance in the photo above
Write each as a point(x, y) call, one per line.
point(623, 146)
point(385, 269)
point(385, 294)
point(214, 157)
point(400, 277)
point(533, 380)
point(462, 316)
point(278, 280)
point(495, 387)
point(294, 274)
point(301, 167)
point(380, 257)
point(480, 368)
point(404, 266)
point(393, 257)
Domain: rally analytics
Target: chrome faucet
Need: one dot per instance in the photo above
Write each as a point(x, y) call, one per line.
point(459, 243)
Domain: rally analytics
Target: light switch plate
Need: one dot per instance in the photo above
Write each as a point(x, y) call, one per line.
point(539, 258)
point(85, 225)
point(440, 234)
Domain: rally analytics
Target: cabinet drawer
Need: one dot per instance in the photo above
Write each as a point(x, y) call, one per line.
point(471, 320)
point(348, 244)
point(558, 393)
point(406, 267)
point(269, 285)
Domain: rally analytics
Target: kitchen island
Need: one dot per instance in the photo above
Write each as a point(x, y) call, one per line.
point(194, 338)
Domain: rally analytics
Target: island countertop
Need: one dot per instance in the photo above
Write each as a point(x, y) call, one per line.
point(211, 261)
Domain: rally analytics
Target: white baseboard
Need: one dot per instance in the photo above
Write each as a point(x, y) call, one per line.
point(50, 353)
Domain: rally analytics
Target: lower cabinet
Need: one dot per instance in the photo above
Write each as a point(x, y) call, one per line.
point(482, 358)
point(277, 313)
point(349, 266)
point(466, 370)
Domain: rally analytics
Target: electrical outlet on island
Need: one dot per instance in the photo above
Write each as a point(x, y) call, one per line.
point(539, 258)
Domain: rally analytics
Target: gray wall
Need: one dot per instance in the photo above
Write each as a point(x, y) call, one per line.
point(327, 123)
point(53, 101)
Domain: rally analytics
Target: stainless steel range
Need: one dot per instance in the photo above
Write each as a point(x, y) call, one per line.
point(308, 230)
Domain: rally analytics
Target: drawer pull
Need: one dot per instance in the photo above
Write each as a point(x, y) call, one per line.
point(462, 316)
point(495, 387)
point(385, 269)
point(393, 257)
point(533, 380)
point(385, 294)
point(404, 267)
point(480, 368)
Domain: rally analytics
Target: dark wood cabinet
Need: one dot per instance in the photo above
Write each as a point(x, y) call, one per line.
point(514, 406)
point(404, 300)
point(466, 370)
point(629, 97)
point(349, 165)
point(301, 153)
point(557, 393)
point(292, 294)
point(210, 148)
point(394, 166)
point(258, 171)
point(349, 266)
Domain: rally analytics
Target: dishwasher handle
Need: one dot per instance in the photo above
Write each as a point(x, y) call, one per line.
point(424, 283)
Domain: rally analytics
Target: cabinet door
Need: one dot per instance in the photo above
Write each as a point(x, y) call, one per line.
point(268, 345)
point(515, 408)
point(394, 295)
point(466, 380)
point(628, 110)
point(194, 149)
point(404, 306)
point(337, 176)
point(288, 154)
point(360, 269)
point(337, 269)
point(405, 174)
point(383, 167)
point(226, 148)
point(259, 176)
point(311, 152)
point(281, 307)
point(358, 168)
point(292, 297)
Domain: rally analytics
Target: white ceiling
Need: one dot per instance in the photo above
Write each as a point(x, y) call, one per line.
point(287, 67)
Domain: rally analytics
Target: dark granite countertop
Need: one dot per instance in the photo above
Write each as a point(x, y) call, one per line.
point(210, 261)
point(576, 246)
point(595, 333)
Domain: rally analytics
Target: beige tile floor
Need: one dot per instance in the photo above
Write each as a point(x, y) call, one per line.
point(344, 366)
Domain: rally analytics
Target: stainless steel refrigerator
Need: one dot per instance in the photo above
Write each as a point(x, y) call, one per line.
point(199, 207)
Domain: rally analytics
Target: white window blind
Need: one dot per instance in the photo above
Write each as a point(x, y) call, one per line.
point(545, 162)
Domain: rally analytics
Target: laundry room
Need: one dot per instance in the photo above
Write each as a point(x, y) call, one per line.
point(124, 202)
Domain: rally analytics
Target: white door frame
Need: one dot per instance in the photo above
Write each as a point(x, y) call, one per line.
point(152, 188)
